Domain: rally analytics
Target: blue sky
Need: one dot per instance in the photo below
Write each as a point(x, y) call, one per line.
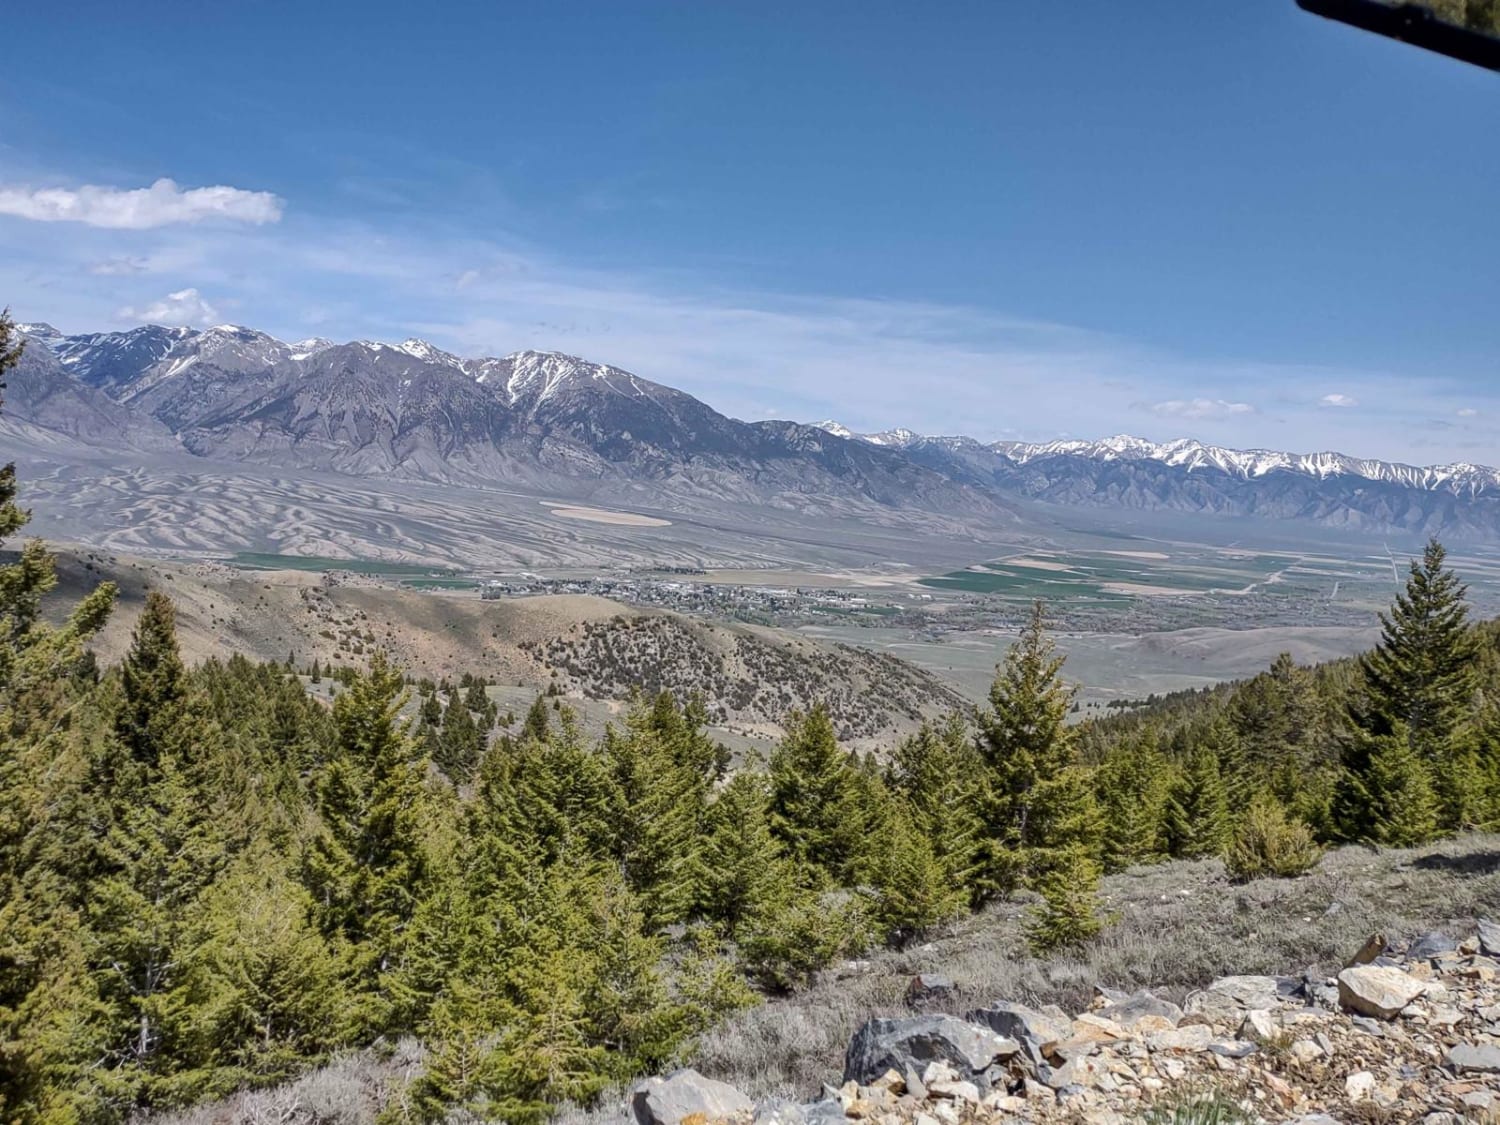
point(1229, 220)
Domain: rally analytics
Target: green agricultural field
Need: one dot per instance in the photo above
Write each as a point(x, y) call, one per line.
point(256, 560)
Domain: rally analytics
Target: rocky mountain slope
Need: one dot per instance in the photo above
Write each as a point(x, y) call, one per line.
point(1400, 1034)
point(1125, 472)
point(232, 394)
point(547, 421)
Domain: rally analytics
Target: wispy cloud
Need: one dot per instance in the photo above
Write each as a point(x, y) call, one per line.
point(184, 307)
point(1338, 399)
point(873, 364)
point(161, 204)
point(1196, 409)
point(1467, 412)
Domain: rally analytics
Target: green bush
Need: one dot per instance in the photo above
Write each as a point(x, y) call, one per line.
point(1271, 843)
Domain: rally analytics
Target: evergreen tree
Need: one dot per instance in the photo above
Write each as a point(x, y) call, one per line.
point(458, 744)
point(740, 865)
point(1033, 801)
point(913, 891)
point(1198, 820)
point(815, 810)
point(154, 687)
point(1422, 675)
point(657, 815)
point(934, 771)
point(367, 866)
point(47, 1047)
point(1069, 911)
point(1134, 786)
point(1388, 797)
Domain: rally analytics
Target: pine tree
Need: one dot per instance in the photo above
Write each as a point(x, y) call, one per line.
point(1068, 914)
point(1198, 820)
point(1033, 801)
point(740, 864)
point(657, 816)
point(1422, 675)
point(1134, 788)
point(934, 773)
point(814, 798)
point(459, 742)
point(367, 867)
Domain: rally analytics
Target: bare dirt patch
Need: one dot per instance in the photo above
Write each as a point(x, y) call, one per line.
point(617, 519)
point(1154, 555)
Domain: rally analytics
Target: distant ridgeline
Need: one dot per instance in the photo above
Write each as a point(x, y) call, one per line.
point(211, 879)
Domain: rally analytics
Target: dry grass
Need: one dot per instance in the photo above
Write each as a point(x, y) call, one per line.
point(1175, 927)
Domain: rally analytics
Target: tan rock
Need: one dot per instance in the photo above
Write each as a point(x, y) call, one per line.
point(1305, 1051)
point(1193, 1037)
point(954, 1090)
point(1260, 1026)
point(1377, 991)
point(1359, 1086)
point(1097, 1029)
point(1373, 947)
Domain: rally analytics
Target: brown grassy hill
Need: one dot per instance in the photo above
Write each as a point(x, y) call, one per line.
point(590, 648)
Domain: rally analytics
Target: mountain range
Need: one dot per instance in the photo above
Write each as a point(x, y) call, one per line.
point(231, 394)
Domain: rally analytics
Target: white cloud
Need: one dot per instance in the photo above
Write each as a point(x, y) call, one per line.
point(1199, 408)
point(161, 204)
point(184, 307)
point(1468, 412)
point(1337, 399)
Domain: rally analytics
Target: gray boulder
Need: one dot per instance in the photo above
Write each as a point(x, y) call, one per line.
point(1475, 1058)
point(1489, 938)
point(1431, 945)
point(910, 1044)
point(1017, 1021)
point(686, 1093)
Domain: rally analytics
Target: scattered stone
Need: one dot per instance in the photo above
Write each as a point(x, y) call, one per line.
point(955, 1090)
point(1359, 1086)
point(1195, 1037)
point(1475, 1058)
point(686, 1094)
point(1131, 1011)
point(1240, 1050)
point(1305, 1051)
point(1016, 1021)
point(898, 1044)
point(779, 1111)
point(1480, 1100)
point(926, 988)
point(1431, 945)
point(1378, 991)
point(1096, 1029)
point(1260, 1026)
point(1489, 938)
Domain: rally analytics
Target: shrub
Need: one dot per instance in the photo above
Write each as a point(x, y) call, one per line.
point(1271, 843)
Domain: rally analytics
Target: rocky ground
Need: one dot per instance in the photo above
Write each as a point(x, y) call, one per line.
point(1400, 1034)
